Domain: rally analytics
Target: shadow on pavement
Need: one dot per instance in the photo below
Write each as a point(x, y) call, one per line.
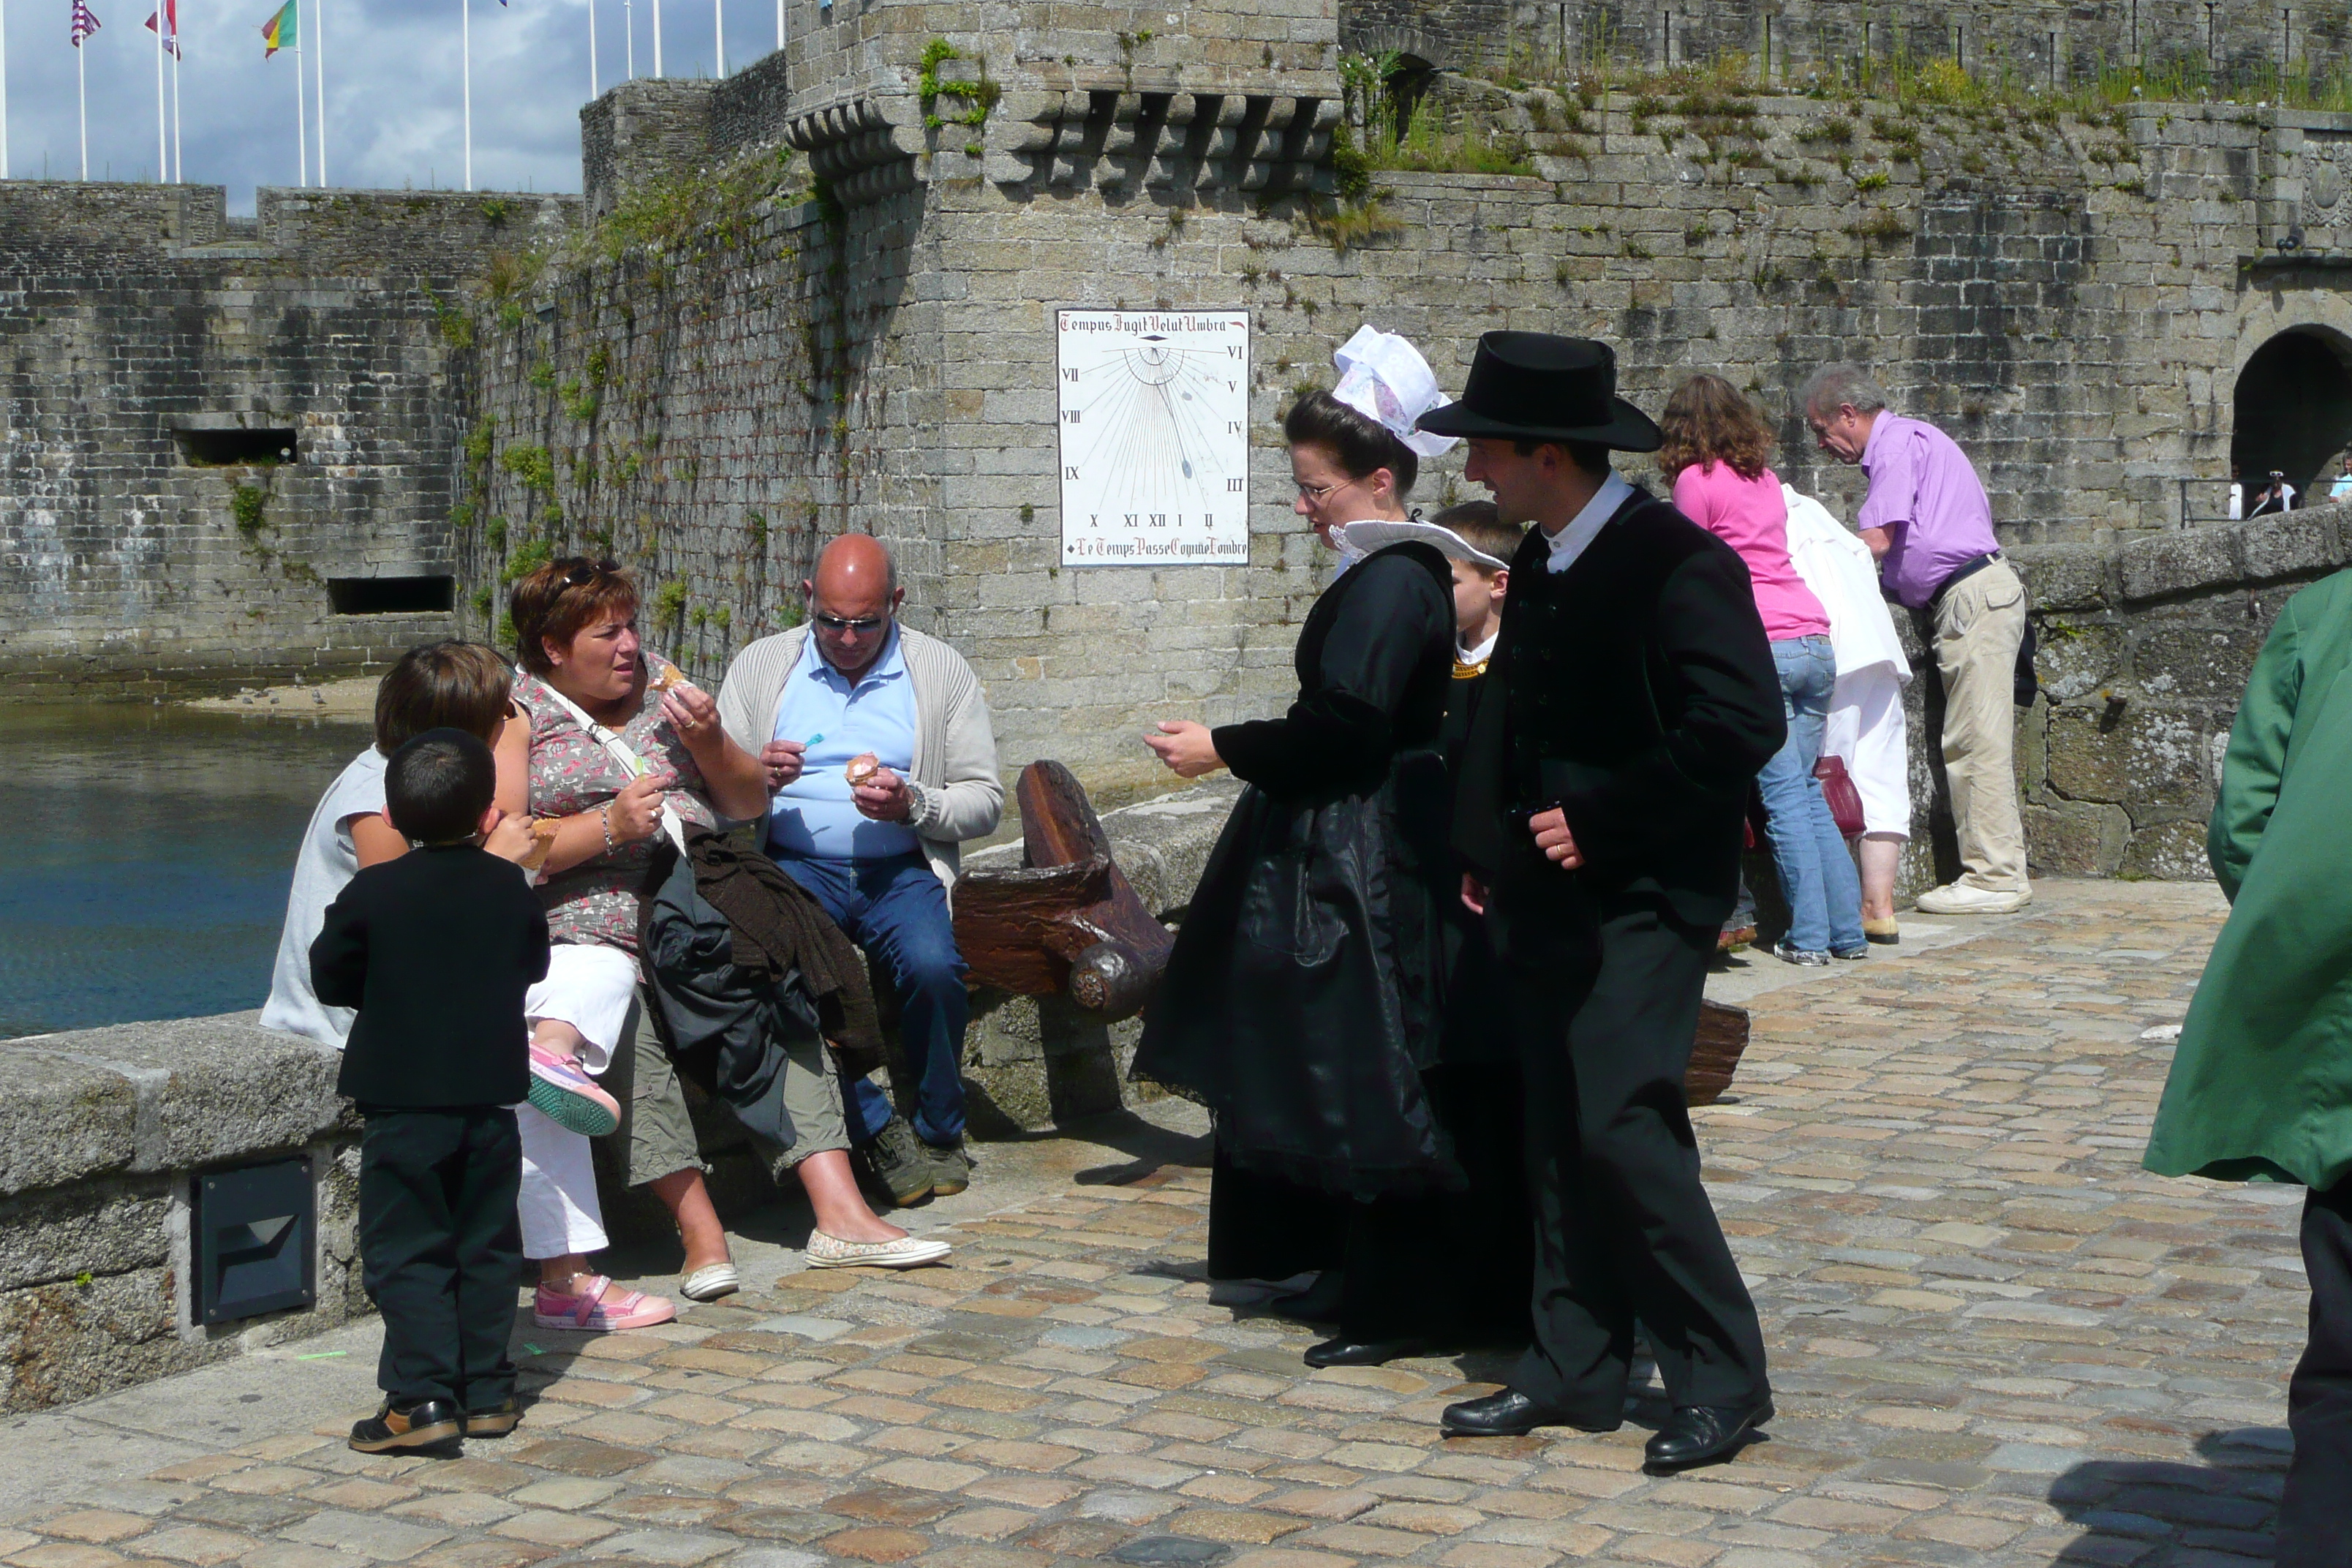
point(2224, 1506)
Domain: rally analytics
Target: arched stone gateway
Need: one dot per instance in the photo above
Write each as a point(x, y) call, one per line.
point(2294, 407)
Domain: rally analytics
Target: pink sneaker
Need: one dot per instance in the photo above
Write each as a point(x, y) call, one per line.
point(597, 1309)
point(569, 1098)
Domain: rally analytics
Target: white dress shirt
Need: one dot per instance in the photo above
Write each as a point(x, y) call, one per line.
point(1570, 541)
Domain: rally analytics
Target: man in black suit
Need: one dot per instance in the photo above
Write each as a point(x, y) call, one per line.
point(1600, 802)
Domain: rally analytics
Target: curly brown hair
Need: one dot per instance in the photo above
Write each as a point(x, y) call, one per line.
point(1709, 420)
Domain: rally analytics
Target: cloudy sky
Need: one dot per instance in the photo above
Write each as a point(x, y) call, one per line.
point(394, 110)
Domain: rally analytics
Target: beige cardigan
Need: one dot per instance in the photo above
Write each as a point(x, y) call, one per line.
point(957, 795)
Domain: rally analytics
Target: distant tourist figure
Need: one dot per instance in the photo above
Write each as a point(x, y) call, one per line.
point(2260, 1087)
point(877, 761)
point(1714, 452)
point(1866, 730)
point(2342, 488)
point(2275, 495)
point(1602, 790)
point(618, 743)
point(1304, 1000)
point(1926, 518)
point(434, 952)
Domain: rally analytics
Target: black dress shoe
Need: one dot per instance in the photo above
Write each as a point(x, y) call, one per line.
point(1702, 1434)
point(497, 1421)
point(1318, 1303)
point(1509, 1415)
point(427, 1426)
point(1341, 1350)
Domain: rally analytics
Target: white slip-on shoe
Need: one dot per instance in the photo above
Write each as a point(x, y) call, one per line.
point(1961, 899)
point(711, 1282)
point(906, 1252)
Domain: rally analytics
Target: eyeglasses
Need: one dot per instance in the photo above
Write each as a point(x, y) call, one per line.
point(1316, 492)
point(861, 625)
point(580, 576)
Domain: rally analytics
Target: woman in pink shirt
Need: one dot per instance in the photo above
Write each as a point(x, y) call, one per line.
point(1715, 450)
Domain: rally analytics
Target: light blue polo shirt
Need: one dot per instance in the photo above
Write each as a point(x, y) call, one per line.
point(813, 816)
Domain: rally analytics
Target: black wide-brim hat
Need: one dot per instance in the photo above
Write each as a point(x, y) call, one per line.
point(1533, 386)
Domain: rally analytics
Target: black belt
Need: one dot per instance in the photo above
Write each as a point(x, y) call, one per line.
point(1968, 568)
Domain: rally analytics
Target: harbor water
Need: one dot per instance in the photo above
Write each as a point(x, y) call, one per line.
point(145, 854)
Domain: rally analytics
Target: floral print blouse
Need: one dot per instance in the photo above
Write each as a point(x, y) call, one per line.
point(572, 774)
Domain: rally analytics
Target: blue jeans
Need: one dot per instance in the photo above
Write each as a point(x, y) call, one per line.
point(897, 911)
point(1817, 874)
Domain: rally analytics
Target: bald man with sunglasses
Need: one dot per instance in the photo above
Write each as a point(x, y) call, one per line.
point(879, 851)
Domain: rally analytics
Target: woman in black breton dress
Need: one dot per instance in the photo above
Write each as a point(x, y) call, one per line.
point(1305, 992)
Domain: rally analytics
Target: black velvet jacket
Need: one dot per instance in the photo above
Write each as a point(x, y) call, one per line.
point(1636, 691)
point(436, 950)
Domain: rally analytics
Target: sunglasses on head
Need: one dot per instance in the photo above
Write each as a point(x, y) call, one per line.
point(580, 576)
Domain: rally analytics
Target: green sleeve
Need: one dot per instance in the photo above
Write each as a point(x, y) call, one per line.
point(2257, 755)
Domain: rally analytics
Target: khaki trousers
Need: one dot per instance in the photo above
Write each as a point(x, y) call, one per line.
point(1978, 626)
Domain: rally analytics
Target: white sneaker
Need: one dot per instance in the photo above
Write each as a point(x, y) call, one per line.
point(1962, 899)
point(907, 1252)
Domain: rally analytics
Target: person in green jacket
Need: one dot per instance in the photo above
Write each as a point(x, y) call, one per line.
point(2261, 1088)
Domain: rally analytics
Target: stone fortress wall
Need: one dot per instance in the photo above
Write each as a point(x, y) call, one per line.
point(158, 357)
point(2047, 43)
point(820, 295)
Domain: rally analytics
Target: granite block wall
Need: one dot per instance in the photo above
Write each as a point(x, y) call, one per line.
point(151, 538)
point(2046, 43)
point(867, 341)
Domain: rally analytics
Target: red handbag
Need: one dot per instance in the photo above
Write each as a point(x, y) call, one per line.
point(1837, 788)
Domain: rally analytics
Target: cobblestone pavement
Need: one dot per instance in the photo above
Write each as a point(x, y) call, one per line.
point(1995, 1340)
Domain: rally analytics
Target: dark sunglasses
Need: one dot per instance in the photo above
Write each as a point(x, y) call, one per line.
point(580, 576)
point(861, 625)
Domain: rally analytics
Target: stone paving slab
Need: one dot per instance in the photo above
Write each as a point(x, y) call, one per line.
point(1995, 1340)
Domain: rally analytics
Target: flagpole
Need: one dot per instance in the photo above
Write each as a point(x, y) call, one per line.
point(302, 116)
point(179, 167)
point(81, 86)
point(466, 10)
point(657, 71)
point(718, 22)
point(4, 89)
point(629, 35)
point(592, 51)
point(162, 160)
point(780, 26)
point(319, 78)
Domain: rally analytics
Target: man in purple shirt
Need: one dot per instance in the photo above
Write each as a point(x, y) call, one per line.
point(1927, 521)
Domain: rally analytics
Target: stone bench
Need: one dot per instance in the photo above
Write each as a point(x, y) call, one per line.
point(103, 1135)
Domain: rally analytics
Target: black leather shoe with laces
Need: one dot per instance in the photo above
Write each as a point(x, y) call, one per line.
point(1702, 1434)
point(1511, 1414)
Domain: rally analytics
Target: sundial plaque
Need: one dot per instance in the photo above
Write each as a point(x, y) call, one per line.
point(1154, 417)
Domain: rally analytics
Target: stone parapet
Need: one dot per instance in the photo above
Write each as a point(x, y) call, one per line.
point(103, 1135)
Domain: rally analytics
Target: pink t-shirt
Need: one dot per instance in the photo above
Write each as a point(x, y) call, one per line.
point(1750, 516)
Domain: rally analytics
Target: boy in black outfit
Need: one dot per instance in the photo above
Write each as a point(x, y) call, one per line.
point(436, 950)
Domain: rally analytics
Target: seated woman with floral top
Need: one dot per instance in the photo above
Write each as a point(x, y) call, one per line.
point(617, 740)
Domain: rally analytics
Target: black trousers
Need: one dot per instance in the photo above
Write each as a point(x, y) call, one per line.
point(1264, 1227)
point(2315, 1521)
point(1450, 1266)
point(1606, 997)
point(441, 1249)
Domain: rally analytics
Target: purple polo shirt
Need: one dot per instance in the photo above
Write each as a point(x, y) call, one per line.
point(1926, 494)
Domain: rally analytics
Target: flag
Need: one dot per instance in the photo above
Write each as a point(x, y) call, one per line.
point(84, 24)
point(168, 14)
point(280, 31)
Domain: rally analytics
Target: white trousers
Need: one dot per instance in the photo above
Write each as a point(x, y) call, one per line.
point(557, 1201)
point(1866, 732)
